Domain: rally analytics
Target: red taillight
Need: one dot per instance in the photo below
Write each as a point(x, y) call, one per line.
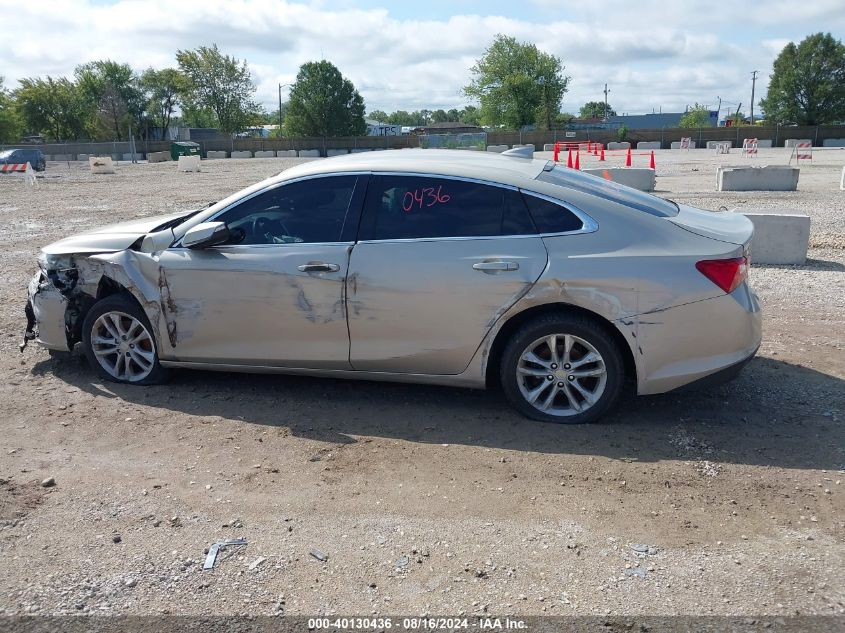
point(725, 273)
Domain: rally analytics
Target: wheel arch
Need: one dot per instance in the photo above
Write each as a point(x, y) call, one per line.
point(507, 330)
point(106, 287)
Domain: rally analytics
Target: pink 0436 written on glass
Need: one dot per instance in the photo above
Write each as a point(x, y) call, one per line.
point(428, 197)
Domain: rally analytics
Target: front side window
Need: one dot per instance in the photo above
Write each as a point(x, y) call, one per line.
point(413, 207)
point(308, 211)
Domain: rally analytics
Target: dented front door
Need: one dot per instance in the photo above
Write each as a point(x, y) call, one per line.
point(269, 304)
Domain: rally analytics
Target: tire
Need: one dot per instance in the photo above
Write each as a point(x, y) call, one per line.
point(579, 394)
point(122, 316)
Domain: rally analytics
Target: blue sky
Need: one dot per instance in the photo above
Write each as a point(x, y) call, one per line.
point(412, 55)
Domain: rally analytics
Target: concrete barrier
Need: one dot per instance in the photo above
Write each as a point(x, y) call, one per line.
point(158, 157)
point(764, 143)
point(713, 144)
point(498, 149)
point(767, 178)
point(636, 177)
point(211, 154)
point(677, 145)
point(337, 152)
point(780, 236)
point(286, 153)
point(309, 153)
point(128, 156)
point(833, 142)
point(792, 142)
point(266, 153)
point(83, 158)
point(63, 157)
point(117, 157)
point(243, 154)
point(188, 163)
point(620, 145)
point(101, 164)
point(648, 145)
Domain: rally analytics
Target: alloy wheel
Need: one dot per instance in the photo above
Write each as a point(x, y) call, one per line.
point(123, 346)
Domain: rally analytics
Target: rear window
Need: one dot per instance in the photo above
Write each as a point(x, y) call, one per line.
point(601, 188)
point(551, 217)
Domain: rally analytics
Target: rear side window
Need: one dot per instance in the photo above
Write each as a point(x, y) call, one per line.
point(551, 217)
point(603, 188)
point(412, 207)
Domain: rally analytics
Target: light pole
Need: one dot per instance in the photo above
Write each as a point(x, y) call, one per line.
point(280, 106)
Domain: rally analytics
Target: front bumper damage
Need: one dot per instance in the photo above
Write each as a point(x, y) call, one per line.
point(46, 311)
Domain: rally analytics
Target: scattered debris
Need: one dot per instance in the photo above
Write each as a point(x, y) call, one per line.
point(116, 538)
point(175, 522)
point(49, 482)
point(319, 555)
point(218, 547)
point(639, 572)
point(402, 561)
point(639, 547)
point(256, 562)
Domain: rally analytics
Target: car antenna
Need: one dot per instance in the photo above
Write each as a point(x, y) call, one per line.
point(520, 152)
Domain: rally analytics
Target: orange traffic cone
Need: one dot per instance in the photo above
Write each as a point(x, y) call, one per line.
point(557, 151)
point(601, 156)
point(577, 162)
point(606, 175)
point(628, 159)
point(652, 159)
point(589, 146)
point(569, 159)
point(596, 149)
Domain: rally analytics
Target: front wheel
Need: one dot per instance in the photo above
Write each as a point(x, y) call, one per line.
point(562, 368)
point(119, 342)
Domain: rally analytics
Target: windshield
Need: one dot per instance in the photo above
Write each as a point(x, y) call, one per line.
point(177, 221)
point(613, 191)
point(6, 153)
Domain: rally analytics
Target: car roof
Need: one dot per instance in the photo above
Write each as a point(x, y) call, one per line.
point(478, 165)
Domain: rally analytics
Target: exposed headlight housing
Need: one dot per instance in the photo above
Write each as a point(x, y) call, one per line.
point(49, 262)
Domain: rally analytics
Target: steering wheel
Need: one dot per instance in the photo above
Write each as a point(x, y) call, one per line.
point(260, 229)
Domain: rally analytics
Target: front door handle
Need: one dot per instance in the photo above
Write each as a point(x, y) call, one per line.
point(494, 267)
point(318, 267)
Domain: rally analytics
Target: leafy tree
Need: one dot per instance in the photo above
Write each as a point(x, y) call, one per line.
point(324, 103)
point(163, 90)
point(52, 107)
point(113, 94)
point(696, 117)
point(595, 110)
point(470, 115)
point(10, 123)
point(516, 84)
point(807, 84)
point(218, 85)
point(378, 115)
point(439, 116)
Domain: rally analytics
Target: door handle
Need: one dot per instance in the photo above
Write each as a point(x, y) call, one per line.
point(497, 266)
point(318, 267)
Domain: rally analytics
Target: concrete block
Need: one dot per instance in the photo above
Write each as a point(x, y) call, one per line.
point(635, 177)
point(764, 143)
point(548, 147)
point(648, 145)
point(83, 158)
point(767, 178)
point(265, 154)
point(101, 164)
point(286, 153)
point(336, 152)
point(188, 163)
point(792, 142)
point(309, 153)
point(498, 149)
point(360, 150)
point(63, 157)
point(158, 157)
point(713, 144)
point(621, 145)
point(677, 144)
point(211, 154)
point(780, 236)
point(243, 154)
point(833, 142)
point(117, 157)
point(842, 181)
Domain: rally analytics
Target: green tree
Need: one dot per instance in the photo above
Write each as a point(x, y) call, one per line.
point(696, 117)
point(324, 103)
point(595, 110)
point(470, 115)
point(163, 90)
point(113, 95)
point(52, 107)
point(516, 84)
point(220, 86)
point(378, 115)
point(807, 84)
point(10, 123)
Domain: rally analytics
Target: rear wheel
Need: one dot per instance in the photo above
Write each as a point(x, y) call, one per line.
point(562, 368)
point(119, 342)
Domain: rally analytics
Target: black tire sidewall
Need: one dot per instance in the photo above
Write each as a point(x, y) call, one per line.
point(583, 328)
point(128, 305)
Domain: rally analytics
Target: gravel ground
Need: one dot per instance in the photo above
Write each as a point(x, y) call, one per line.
point(423, 499)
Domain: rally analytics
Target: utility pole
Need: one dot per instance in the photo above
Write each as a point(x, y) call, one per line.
point(718, 111)
point(753, 84)
point(279, 135)
point(605, 102)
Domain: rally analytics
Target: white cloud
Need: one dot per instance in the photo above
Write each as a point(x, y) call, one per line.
point(652, 54)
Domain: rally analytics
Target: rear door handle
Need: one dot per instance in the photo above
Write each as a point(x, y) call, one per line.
point(318, 267)
point(497, 266)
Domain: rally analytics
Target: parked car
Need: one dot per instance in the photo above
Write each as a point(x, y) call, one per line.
point(34, 157)
point(455, 268)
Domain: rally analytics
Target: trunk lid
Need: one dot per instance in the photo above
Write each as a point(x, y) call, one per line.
point(724, 226)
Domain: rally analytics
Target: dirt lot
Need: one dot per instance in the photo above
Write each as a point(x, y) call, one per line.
point(425, 499)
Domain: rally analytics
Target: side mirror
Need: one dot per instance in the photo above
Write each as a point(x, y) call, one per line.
point(206, 234)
